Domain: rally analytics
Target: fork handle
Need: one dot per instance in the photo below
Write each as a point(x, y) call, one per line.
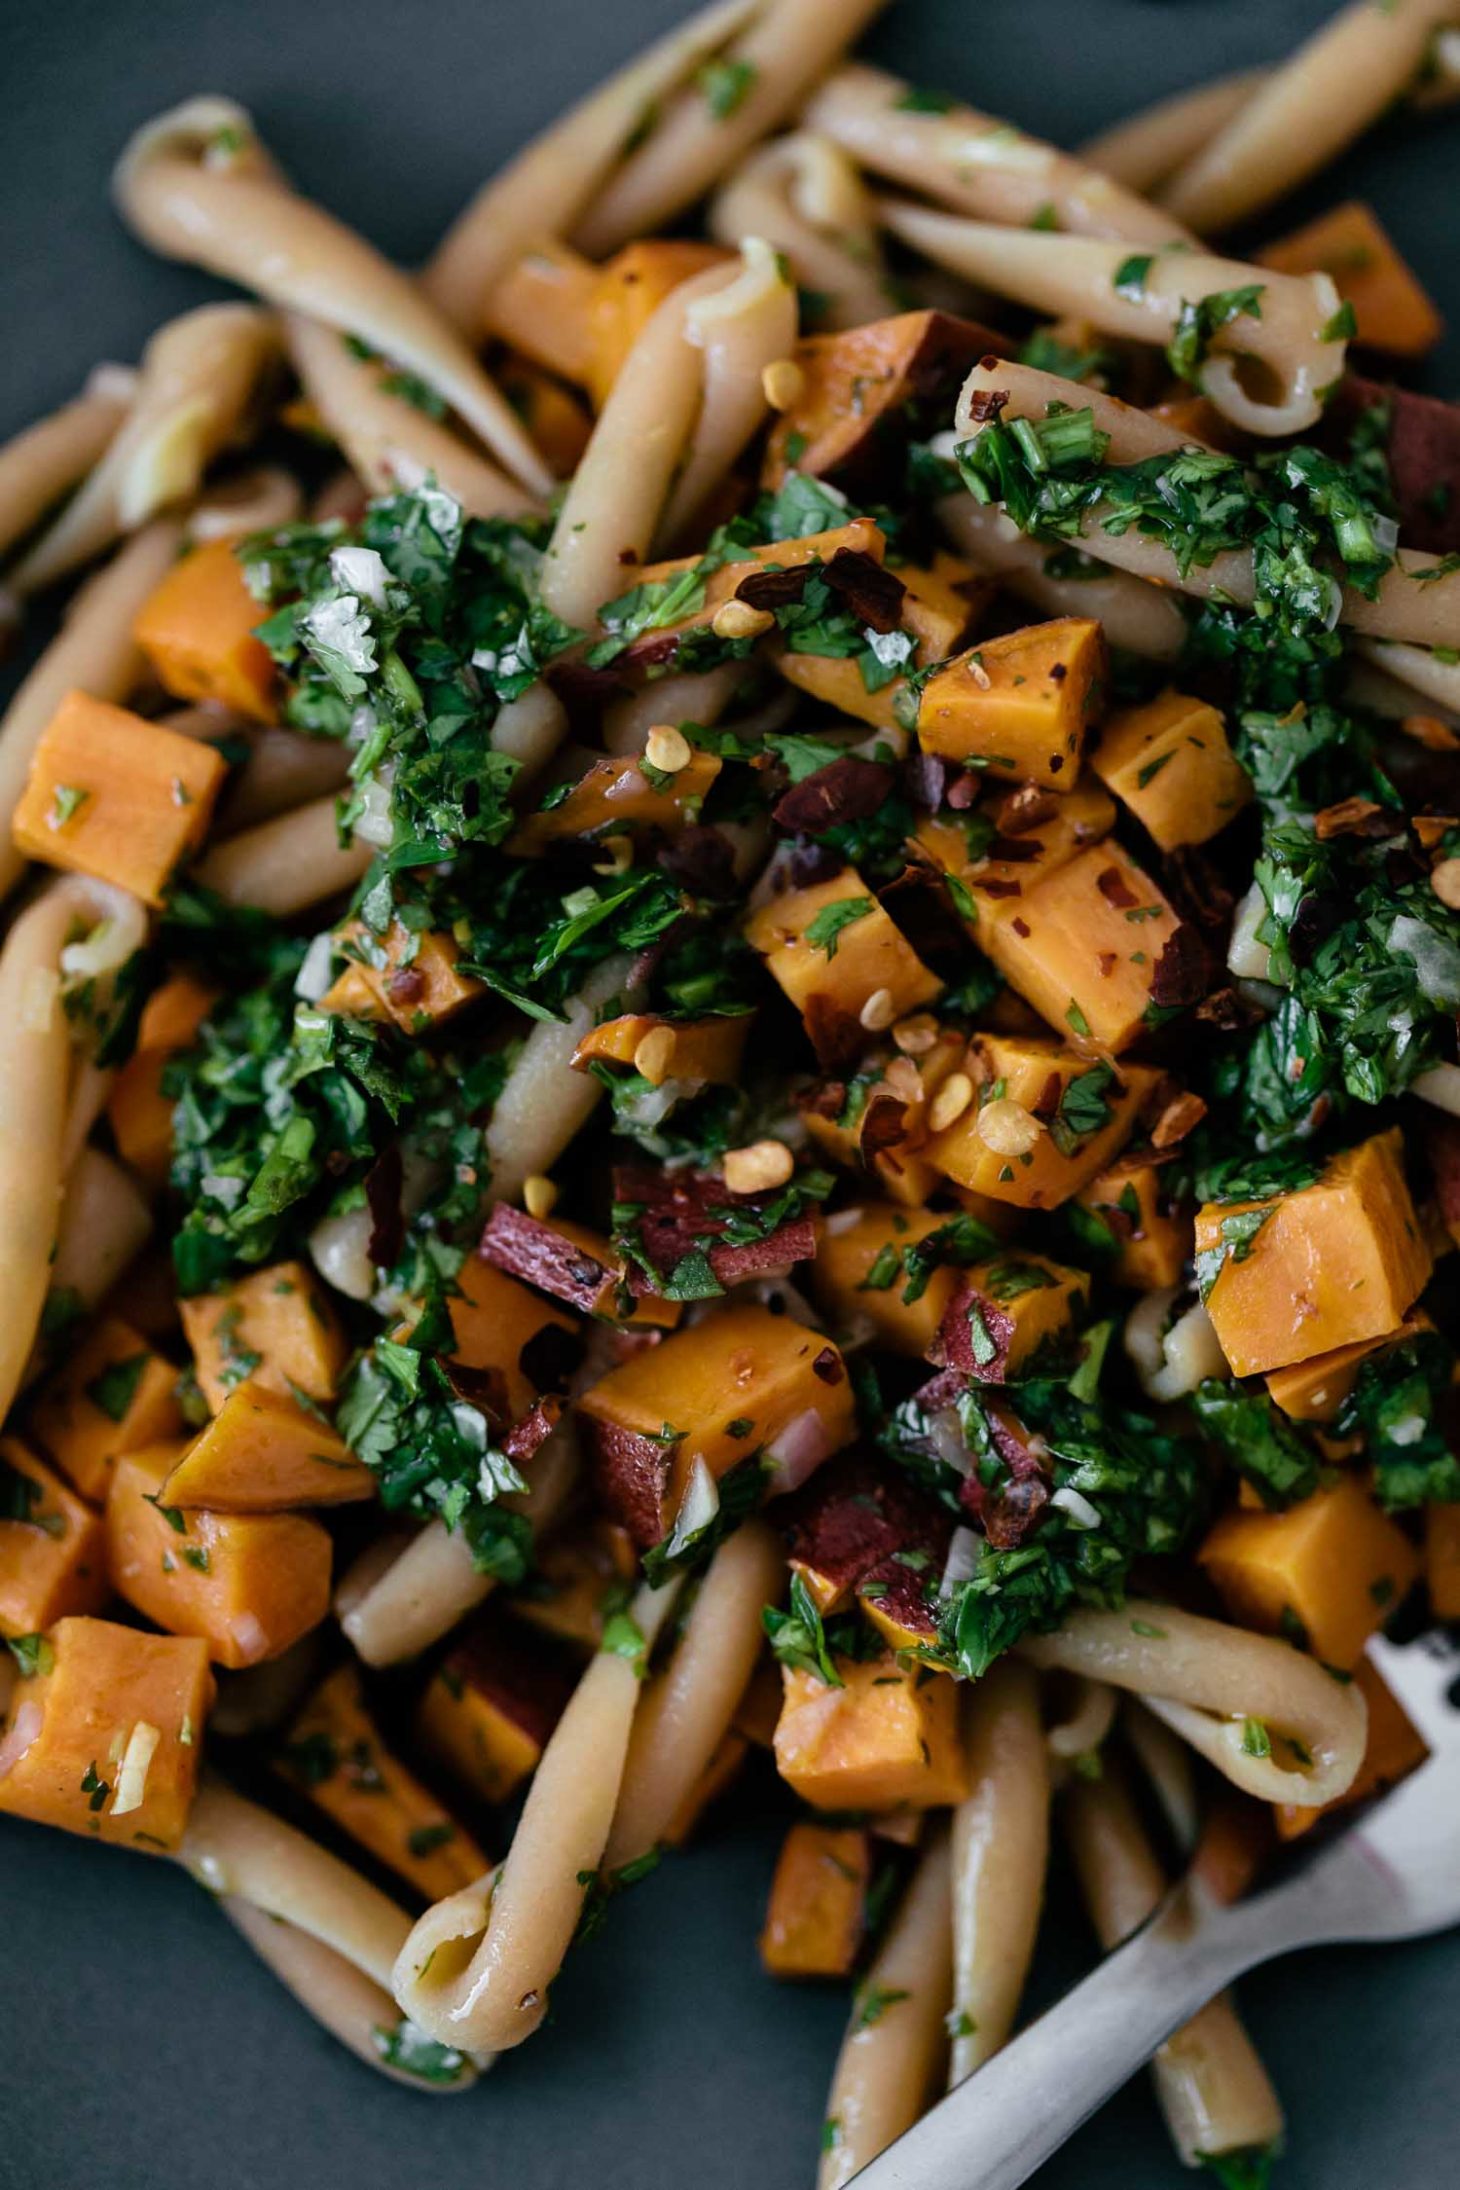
point(993, 2131)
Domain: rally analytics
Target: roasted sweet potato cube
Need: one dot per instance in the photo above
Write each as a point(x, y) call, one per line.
point(856, 382)
point(52, 1552)
point(1315, 1390)
point(1084, 946)
point(833, 949)
point(275, 1327)
point(1171, 764)
point(498, 1324)
point(940, 606)
point(197, 631)
point(618, 795)
point(1008, 1314)
point(852, 1520)
point(817, 1914)
point(264, 1453)
point(699, 1051)
point(110, 1734)
point(1034, 833)
point(114, 1394)
point(114, 796)
point(1393, 1749)
point(629, 291)
point(489, 1711)
point(1326, 1266)
point(249, 1584)
point(718, 1775)
point(544, 308)
point(1333, 1563)
point(886, 1739)
point(740, 1382)
point(1019, 706)
point(140, 1116)
point(879, 1123)
point(1130, 1219)
point(1084, 1113)
point(578, 1570)
point(744, 580)
point(575, 1264)
point(406, 976)
point(1391, 309)
point(858, 1278)
point(1442, 1560)
point(334, 1753)
point(559, 425)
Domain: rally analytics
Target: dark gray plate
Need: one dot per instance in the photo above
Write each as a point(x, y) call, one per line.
point(141, 2045)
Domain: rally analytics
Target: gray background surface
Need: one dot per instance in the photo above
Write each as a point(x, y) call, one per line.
point(141, 2045)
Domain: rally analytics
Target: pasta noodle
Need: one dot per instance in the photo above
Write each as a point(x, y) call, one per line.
point(287, 864)
point(1141, 619)
point(40, 465)
point(977, 165)
point(542, 1106)
point(741, 330)
point(1000, 1846)
point(804, 196)
point(1142, 151)
point(195, 184)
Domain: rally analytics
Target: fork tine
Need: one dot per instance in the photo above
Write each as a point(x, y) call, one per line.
point(1423, 1675)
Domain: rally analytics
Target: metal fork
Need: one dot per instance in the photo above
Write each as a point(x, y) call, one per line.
point(1392, 1874)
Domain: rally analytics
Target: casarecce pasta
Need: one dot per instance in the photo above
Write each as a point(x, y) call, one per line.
point(731, 1019)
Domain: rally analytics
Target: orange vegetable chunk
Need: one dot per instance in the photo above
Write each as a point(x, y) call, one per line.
point(1171, 764)
point(629, 291)
point(118, 1723)
point(263, 1453)
point(489, 1710)
point(858, 1277)
point(1393, 1749)
point(939, 608)
point(275, 1327)
point(616, 794)
point(1334, 1563)
point(1150, 1233)
point(113, 1395)
point(1019, 706)
point(886, 1739)
point(52, 1552)
point(197, 631)
point(833, 948)
point(817, 1913)
point(402, 976)
point(116, 797)
point(1442, 1560)
point(1392, 310)
point(1081, 1127)
point(498, 1324)
point(697, 1050)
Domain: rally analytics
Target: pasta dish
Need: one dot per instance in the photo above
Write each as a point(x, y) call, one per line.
point(730, 984)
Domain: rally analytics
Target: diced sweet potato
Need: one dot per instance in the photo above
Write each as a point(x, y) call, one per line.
point(858, 1278)
point(249, 1584)
point(817, 1913)
point(139, 1114)
point(1336, 1262)
point(879, 1123)
point(490, 1709)
point(1149, 1232)
point(854, 386)
point(1442, 1560)
point(498, 1324)
point(842, 553)
point(1034, 834)
point(1333, 1563)
point(618, 795)
point(1391, 309)
point(405, 976)
point(1019, 706)
point(116, 797)
point(275, 1327)
point(696, 1050)
point(741, 1381)
point(558, 424)
point(115, 1734)
point(833, 948)
point(1084, 1111)
point(197, 631)
point(579, 1569)
point(544, 308)
point(574, 1264)
point(264, 1453)
point(1393, 1749)
point(114, 1394)
point(1171, 764)
point(886, 1739)
point(718, 1775)
point(334, 1753)
point(1086, 947)
point(52, 1553)
point(1007, 1313)
point(939, 607)
point(1315, 1390)
point(629, 291)
point(851, 1520)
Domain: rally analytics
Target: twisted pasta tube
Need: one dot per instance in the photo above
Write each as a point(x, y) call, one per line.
point(1000, 1844)
point(1139, 618)
point(286, 864)
point(44, 462)
point(803, 194)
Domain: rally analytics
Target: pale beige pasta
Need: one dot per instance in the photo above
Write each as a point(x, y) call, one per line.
point(1289, 336)
point(1166, 1763)
point(392, 445)
point(1307, 111)
point(687, 1708)
point(196, 185)
point(543, 190)
point(1423, 673)
point(91, 1084)
point(1144, 149)
point(196, 388)
point(1000, 1853)
point(613, 508)
point(699, 695)
point(340, 1997)
point(891, 2062)
point(1213, 2089)
point(257, 1699)
point(287, 864)
point(1207, 1680)
point(40, 465)
point(105, 1222)
point(529, 730)
point(94, 651)
point(739, 330)
point(804, 196)
point(1139, 618)
point(1088, 1715)
point(1417, 601)
point(284, 770)
point(976, 164)
point(785, 49)
point(544, 1102)
point(477, 1968)
point(257, 500)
